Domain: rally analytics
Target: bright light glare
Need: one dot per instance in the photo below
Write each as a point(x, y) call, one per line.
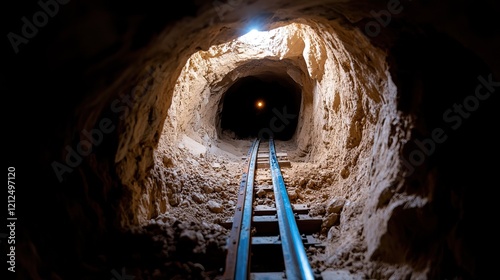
point(254, 36)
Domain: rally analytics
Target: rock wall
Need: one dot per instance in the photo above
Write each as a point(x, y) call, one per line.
point(396, 120)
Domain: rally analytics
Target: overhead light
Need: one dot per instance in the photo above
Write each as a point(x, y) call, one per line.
point(254, 36)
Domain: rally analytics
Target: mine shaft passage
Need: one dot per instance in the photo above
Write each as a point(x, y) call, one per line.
point(262, 106)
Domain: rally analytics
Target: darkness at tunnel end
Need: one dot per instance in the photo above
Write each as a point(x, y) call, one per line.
point(277, 116)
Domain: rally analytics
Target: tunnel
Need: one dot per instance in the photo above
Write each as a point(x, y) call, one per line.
point(261, 107)
point(127, 126)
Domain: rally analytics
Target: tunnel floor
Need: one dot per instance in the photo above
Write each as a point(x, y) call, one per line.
point(191, 232)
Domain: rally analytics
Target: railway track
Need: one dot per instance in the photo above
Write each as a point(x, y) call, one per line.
point(269, 235)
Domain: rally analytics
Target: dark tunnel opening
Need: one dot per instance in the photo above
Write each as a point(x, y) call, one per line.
point(261, 106)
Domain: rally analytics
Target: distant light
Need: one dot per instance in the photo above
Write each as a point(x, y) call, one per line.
point(260, 104)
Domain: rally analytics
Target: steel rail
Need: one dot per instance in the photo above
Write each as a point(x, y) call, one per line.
point(297, 265)
point(238, 251)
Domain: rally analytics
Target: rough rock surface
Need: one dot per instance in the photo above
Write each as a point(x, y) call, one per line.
point(134, 172)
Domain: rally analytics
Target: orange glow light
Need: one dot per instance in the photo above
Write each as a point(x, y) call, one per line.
point(260, 104)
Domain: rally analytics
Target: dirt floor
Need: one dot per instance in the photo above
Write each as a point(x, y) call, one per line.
point(204, 194)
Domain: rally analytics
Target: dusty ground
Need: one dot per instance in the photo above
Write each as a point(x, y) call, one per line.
point(204, 195)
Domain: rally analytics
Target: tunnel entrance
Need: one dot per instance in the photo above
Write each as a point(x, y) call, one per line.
point(261, 106)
